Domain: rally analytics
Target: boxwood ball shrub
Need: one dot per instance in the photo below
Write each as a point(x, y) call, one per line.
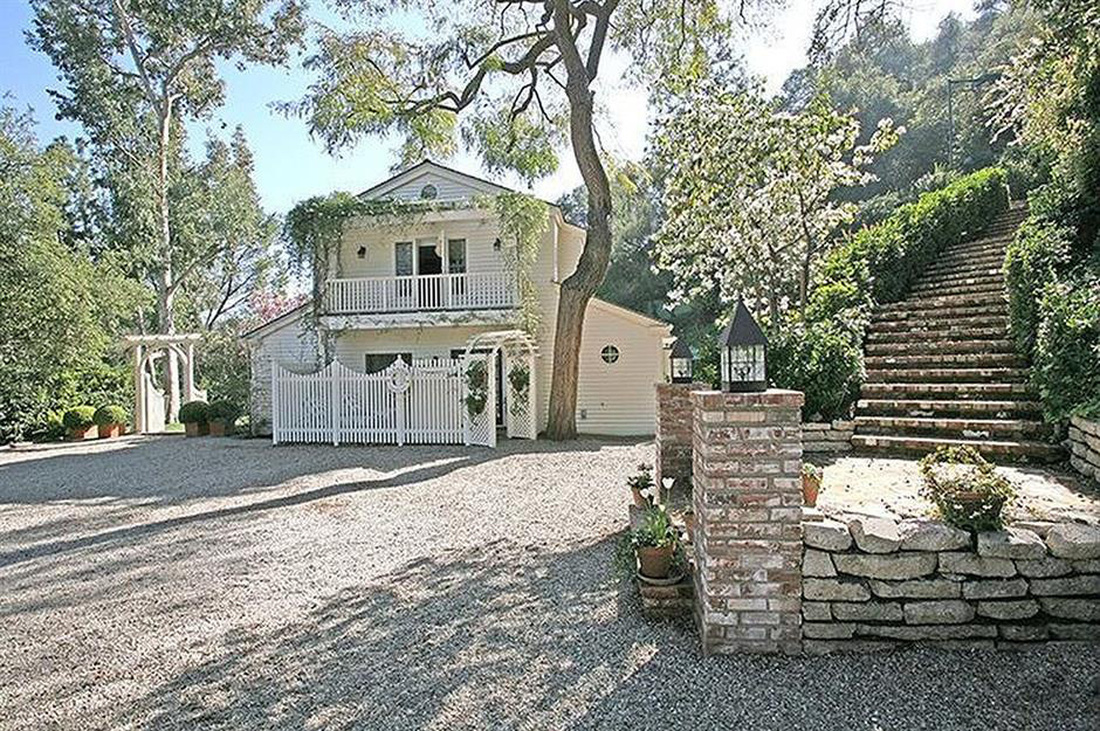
point(194, 412)
point(78, 417)
point(110, 414)
point(823, 360)
point(223, 410)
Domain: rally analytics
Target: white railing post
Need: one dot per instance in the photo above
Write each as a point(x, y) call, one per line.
point(274, 404)
point(336, 396)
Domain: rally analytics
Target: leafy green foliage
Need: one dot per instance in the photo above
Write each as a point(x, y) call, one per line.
point(223, 410)
point(1039, 251)
point(109, 414)
point(194, 412)
point(966, 489)
point(225, 367)
point(823, 359)
point(477, 387)
point(1066, 367)
point(78, 417)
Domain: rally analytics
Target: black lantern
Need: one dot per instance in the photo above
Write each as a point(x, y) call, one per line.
point(744, 351)
point(682, 365)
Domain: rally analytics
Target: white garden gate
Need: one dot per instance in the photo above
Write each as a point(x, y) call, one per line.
point(426, 402)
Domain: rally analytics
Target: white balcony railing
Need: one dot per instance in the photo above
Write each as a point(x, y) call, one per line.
point(471, 291)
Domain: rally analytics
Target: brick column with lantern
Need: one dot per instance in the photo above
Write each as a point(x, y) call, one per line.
point(747, 462)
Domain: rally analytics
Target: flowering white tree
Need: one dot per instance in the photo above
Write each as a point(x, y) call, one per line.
point(749, 192)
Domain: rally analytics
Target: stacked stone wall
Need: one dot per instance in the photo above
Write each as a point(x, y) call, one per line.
point(1084, 446)
point(871, 583)
point(828, 437)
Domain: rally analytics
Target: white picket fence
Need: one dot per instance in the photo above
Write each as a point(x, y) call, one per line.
point(422, 403)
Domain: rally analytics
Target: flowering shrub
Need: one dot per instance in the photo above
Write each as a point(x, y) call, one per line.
point(967, 490)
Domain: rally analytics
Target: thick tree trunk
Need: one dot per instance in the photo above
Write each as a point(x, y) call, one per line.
point(577, 289)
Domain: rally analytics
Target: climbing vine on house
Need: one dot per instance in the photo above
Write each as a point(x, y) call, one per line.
point(519, 377)
point(522, 219)
point(477, 387)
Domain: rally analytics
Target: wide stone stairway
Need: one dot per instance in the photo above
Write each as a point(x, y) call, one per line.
point(941, 365)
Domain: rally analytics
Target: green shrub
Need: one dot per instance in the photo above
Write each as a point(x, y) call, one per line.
point(224, 410)
point(822, 359)
point(1066, 366)
point(967, 490)
point(109, 414)
point(194, 412)
point(78, 417)
point(1033, 259)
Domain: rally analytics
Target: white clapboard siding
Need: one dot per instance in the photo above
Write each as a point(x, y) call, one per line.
point(417, 404)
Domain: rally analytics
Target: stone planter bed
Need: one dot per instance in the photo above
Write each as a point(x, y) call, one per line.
point(873, 583)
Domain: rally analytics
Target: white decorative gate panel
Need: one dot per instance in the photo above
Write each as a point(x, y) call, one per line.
point(403, 404)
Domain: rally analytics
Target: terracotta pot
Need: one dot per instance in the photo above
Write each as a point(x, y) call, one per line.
point(78, 435)
point(196, 429)
point(656, 562)
point(218, 428)
point(639, 499)
point(810, 487)
point(109, 431)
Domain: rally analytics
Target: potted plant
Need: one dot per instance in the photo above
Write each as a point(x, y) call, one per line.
point(640, 484)
point(811, 483)
point(110, 421)
point(966, 489)
point(656, 543)
point(221, 416)
point(78, 422)
point(195, 418)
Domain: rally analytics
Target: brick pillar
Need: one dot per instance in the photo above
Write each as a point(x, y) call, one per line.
point(673, 437)
point(748, 510)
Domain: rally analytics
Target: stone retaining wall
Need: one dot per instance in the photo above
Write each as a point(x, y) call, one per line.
point(871, 583)
point(828, 437)
point(1084, 445)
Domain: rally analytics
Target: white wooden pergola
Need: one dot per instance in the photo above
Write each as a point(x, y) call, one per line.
point(149, 400)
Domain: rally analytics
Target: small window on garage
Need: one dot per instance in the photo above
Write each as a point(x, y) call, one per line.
point(610, 354)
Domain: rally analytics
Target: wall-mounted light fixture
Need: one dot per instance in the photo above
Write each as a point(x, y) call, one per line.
point(362, 252)
point(497, 244)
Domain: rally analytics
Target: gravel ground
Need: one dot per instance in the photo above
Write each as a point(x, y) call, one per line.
point(151, 583)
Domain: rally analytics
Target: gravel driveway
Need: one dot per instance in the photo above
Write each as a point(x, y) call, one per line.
point(153, 583)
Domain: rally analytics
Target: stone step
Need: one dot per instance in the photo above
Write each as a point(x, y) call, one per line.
point(999, 322)
point(963, 270)
point(954, 427)
point(954, 391)
point(951, 289)
point(916, 333)
point(943, 408)
point(989, 274)
point(929, 346)
point(977, 300)
point(992, 245)
point(932, 375)
point(961, 260)
point(1006, 450)
point(946, 360)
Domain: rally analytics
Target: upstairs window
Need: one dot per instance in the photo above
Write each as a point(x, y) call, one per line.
point(403, 258)
point(375, 362)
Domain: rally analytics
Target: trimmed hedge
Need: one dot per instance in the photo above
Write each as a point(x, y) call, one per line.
point(78, 417)
point(109, 414)
point(224, 410)
point(194, 412)
point(821, 353)
point(1066, 365)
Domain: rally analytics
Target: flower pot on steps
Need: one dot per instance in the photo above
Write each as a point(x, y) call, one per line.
point(655, 561)
point(811, 485)
point(110, 431)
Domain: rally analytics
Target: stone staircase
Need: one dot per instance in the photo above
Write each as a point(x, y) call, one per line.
point(942, 368)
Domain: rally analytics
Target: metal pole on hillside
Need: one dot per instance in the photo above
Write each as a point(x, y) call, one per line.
point(971, 84)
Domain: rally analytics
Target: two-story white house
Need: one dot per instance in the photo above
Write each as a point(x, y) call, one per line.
point(422, 290)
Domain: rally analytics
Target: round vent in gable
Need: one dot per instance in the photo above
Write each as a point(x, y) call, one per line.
point(428, 192)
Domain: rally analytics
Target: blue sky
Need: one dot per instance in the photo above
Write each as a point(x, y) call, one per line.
point(291, 166)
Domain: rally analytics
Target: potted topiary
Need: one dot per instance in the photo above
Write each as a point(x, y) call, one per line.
point(640, 484)
point(110, 421)
point(195, 418)
point(811, 483)
point(221, 416)
point(78, 422)
point(966, 489)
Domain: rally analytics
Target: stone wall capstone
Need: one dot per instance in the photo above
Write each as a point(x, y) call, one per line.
point(1084, 446)
point(873, 583)
point(673, 432)
point(747, 499)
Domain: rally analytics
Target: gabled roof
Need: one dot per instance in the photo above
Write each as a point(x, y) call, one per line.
point(277, 323)
point(425, 167)
point(629, 315)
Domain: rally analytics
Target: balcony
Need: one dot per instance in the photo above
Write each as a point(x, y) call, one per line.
point(425, 293)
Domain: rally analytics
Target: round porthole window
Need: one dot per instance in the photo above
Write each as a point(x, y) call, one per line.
point(428, 192)
point(610, 354)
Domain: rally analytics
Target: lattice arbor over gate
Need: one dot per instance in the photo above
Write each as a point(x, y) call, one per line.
point(517, 352)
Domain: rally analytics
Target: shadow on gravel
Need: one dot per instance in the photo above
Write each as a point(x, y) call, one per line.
point(507, 637)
